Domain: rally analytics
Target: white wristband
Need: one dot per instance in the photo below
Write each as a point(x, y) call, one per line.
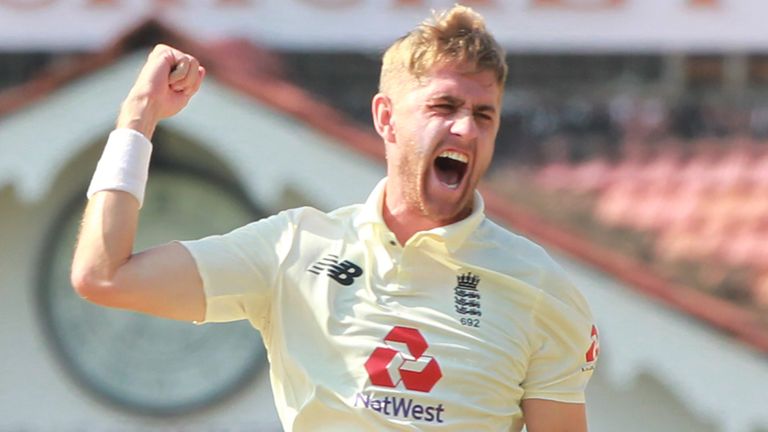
point(124, 164)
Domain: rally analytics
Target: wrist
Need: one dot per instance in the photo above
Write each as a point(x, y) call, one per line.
point(138, 113)
point(124, 164)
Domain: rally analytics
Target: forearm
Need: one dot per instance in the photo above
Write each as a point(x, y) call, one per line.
point(106, 240)
point(115, 196)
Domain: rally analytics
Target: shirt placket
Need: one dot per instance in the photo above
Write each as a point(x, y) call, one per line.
point(394, 255)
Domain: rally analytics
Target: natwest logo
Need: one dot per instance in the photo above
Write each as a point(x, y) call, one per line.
point(403, 360)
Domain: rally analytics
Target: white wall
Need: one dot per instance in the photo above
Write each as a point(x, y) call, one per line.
point(36, 393)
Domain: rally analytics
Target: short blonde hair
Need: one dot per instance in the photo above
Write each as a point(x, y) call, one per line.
point(455, 37)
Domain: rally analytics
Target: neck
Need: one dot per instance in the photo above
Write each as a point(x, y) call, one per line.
point(404, 222)
point(404, 219)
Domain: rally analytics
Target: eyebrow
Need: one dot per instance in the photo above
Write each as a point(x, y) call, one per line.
point(460, 102)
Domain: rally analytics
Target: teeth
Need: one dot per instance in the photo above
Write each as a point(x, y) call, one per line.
point(455, 156)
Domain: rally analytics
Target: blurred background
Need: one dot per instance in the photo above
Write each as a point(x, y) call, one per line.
point(633, 146)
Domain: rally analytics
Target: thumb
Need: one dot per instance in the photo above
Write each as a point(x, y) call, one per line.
point(179, 70)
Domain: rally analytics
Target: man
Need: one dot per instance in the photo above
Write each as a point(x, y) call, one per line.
point(411, 311)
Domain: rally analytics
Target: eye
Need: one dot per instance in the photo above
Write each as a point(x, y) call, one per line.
point(443, 108)
point(481, 115)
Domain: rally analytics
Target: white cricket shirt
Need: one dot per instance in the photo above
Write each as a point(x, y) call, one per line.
point(448, 332)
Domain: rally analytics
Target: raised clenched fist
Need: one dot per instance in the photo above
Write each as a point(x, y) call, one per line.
point(164, 86)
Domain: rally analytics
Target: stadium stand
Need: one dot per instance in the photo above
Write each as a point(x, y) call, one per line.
point(702, 201)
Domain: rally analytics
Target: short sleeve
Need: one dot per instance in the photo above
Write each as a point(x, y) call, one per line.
point(238, 269)
point(565, 342)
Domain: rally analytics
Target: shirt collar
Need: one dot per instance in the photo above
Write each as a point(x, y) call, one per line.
point(452, 235)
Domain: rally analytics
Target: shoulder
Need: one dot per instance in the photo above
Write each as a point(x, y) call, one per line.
point(526, 260)
point(512, 243)
point(273, 238)
point(312, 219)
point(283, 226)
point(560, 312)
point(299, 227)
point(308, 216)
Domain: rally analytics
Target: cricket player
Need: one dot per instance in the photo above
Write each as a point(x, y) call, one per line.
point(410, 311)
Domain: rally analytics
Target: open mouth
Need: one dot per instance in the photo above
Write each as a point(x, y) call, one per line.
point(450, 167)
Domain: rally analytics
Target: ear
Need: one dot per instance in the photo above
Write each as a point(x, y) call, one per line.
point(381, 108)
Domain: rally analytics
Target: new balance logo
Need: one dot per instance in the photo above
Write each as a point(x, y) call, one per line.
point(343, 272)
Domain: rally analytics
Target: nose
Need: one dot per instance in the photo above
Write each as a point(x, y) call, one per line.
point(465, 125)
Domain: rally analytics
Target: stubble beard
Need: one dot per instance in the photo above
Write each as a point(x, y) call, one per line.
point(414, 176)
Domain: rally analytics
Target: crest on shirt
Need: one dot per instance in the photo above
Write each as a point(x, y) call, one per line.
point(466, 296)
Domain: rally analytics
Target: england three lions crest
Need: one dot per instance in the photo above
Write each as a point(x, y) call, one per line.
point(466, 295)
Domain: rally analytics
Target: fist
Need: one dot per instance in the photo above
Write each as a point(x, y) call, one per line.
point(164, 86)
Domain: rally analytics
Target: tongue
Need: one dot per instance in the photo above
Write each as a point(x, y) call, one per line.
point(450, 178)
point(448, 171)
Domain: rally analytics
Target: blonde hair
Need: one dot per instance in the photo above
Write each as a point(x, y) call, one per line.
point(455, 37)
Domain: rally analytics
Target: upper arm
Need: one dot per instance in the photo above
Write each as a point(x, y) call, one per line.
point(563, 352)
point(543, 415)
point(162, 281)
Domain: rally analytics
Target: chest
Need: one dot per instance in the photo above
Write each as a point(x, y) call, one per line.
point(412, 321)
